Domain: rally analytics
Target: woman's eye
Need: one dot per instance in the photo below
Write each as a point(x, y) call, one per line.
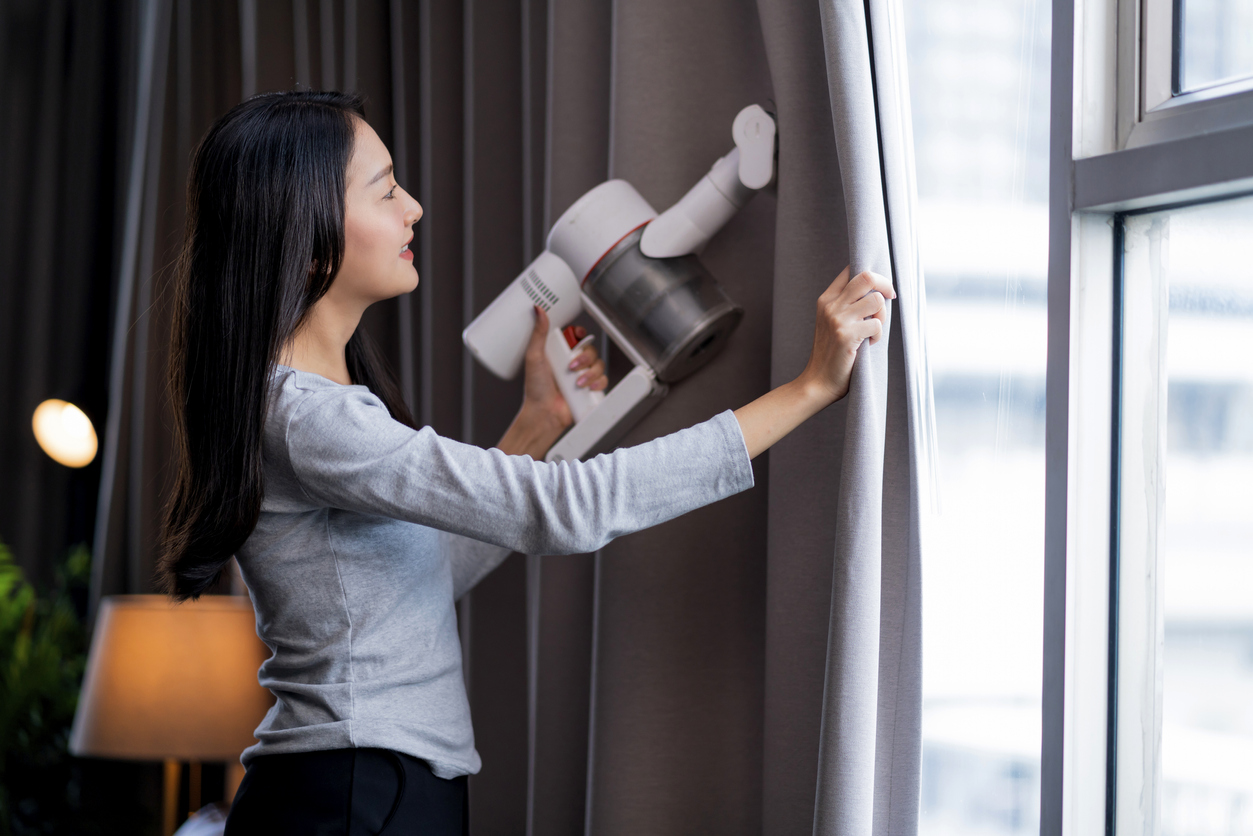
point(392, 192)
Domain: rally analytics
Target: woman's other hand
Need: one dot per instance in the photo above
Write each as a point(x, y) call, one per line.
point(541, 391)
point(850, 312)
point(588, 360)
point(544, 415)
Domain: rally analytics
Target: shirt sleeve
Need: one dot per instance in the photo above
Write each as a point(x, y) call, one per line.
point(347, 452)
point(471, 561)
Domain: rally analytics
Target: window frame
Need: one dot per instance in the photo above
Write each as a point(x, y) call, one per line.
point(1151, 108)
point(1117, 147)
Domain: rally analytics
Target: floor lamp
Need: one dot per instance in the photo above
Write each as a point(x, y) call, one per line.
point(174, 683)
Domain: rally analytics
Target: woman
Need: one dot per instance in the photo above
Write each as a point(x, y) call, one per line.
point(354, 531)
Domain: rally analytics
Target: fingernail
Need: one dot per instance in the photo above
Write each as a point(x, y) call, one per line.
point(582, 379)
point(574, 364)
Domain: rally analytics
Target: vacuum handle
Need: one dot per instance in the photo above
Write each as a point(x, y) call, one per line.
point(560, 352)
point(602, 428)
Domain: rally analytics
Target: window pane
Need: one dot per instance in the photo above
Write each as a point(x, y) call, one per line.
point(1215, 42)
point(1201, 260)
point(979, 87)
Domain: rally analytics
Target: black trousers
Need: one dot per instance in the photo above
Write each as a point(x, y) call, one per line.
point(347, 792)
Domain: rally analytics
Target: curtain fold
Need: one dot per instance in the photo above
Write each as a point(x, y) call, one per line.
point(811, 245)
point(752, 667)
point(870, 745)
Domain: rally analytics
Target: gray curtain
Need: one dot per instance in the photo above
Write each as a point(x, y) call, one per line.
point(752, 667)
point(870, 745)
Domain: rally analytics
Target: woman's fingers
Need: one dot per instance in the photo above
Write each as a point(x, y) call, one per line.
point(583, 359)
point(866, 330)
point(535, 347)
point(865, 283)
point(540, 331)
point(872, 306)
point(836, 287)
point(848, 289)
point(594, 378)
point(851, 311)
point(863, 296)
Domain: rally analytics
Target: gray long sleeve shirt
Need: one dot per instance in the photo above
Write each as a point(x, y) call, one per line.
point(369, 531)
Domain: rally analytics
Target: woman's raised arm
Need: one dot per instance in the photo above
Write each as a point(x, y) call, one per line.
point(850, 311)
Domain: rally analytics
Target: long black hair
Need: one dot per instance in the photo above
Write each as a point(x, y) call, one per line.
point(264, 241)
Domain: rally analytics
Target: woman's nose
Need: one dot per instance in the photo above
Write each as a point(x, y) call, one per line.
point(415, 211)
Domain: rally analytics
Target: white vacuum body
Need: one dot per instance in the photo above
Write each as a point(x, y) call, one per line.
point(636, 273)
point(498, 337)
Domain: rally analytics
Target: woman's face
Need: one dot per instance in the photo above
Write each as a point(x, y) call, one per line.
point(378, 226)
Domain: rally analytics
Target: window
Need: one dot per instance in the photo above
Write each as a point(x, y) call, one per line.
point(1185, 558)
point(1214, 43)
point(1147, 713)
point(979, 94)
point(1185, 67)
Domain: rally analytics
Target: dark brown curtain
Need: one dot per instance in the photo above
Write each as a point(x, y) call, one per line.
point(61, 154)
point(672, 683)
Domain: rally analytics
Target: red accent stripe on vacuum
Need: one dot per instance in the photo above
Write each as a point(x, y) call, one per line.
point(606, 252)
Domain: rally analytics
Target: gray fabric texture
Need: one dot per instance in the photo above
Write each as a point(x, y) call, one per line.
point(679, 636)
point(359, 552)
point(870, 743)
point(811, 246)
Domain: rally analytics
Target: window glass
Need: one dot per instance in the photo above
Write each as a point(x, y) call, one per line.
point(1200, 260)
point(979, 87)
point(1215, 41)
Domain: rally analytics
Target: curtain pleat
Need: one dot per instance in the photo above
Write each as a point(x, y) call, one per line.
point(846, 763)
point(811, 245)
point(870, 743)
point(753, 666)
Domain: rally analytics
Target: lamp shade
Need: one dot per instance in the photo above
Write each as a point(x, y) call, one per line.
point(169, 680)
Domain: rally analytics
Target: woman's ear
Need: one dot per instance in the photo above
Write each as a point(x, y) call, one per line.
point(318, 273)
point(317, 280)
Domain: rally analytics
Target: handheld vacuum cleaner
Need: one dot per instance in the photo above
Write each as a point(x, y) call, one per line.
point(637, 274)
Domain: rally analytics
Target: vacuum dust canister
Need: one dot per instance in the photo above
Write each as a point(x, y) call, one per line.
point(671, 310)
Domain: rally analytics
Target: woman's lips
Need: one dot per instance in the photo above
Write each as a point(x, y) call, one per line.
point(406, 253)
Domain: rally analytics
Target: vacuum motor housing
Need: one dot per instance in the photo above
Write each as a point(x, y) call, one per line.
point(674, 312)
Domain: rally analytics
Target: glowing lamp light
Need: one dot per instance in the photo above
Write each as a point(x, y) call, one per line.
point(65, 433)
